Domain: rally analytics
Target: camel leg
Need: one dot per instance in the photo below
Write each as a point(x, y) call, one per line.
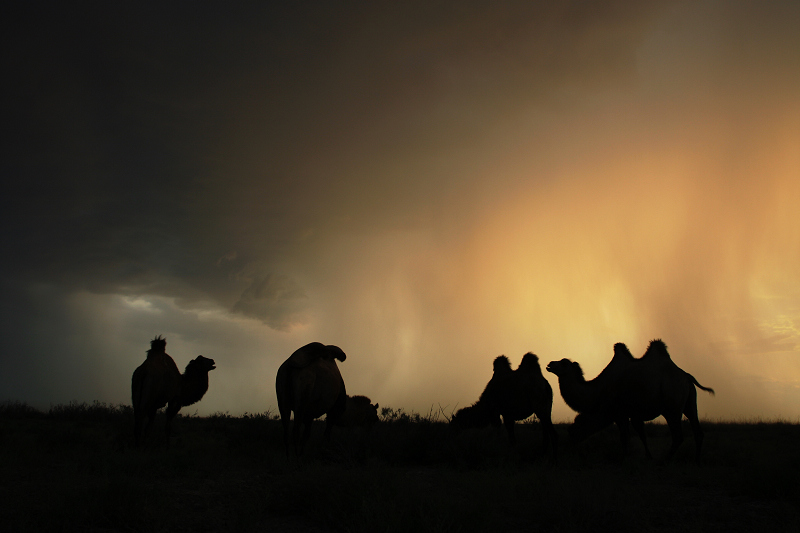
point(549, 437)
point(624, 434)
point(285, 423)
point(509, 423)
point(150, 416)
point(286, 416)
point(674, 423)
point(137, 429)
point(172, 410)
point(298, 443)
point(694, 420)
point(638, 426)
point(306, 433)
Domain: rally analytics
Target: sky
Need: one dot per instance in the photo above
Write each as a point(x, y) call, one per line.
point(426, 185)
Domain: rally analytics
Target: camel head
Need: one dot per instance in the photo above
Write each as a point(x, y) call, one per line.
point(363, 412)
point(373, 414)
point(501, 364)
point(199, 365)
point(565, 368)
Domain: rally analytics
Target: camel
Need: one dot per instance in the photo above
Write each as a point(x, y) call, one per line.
point(358, 412)
point(310, 385)
point(581, 395)
point(513, 395)
point(157, 383)
point(645, 389)
point(587, 396)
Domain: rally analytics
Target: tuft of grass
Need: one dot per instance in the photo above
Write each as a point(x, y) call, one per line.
point(98, 411)
point(18, 410)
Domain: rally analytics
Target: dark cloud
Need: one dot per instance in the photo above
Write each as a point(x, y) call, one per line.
point(276, 300)
point(252, 174)
point(144, 143)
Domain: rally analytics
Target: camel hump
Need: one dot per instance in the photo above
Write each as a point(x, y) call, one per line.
point(621, 350)
point(312, 352)
point(501, 364)
point(158, 346)
point(530, 362)
point(658, 348)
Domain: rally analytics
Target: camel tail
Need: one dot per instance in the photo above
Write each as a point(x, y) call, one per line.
point(707, 389)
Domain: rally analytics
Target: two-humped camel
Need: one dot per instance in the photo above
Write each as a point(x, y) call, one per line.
point(310, 385)
point(157, 382)
point(514, 395)
point(635, 389)
point(587, 396)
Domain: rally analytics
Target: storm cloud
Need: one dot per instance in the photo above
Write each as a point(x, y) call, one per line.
point(425, 185)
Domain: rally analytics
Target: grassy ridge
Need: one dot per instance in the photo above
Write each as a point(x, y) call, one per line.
point(73, 469)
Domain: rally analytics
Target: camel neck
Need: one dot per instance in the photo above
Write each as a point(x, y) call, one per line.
point(194, 388)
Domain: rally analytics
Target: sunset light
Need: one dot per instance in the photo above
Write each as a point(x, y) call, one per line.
point(426, 188)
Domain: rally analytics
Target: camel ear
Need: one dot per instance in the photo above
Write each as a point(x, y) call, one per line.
point(376, 406)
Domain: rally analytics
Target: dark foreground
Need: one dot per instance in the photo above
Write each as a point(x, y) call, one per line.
point(73, 469)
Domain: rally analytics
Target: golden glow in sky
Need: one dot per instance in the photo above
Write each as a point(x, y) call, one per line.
point(425, 187)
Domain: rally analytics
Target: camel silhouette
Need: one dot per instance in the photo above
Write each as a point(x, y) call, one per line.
point(645, 389)
point(513, 395)
point(359, 412)
point(588, 396)
point(157, 382)
point(309, 384)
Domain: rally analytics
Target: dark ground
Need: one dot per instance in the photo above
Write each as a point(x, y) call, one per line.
point(74, 469)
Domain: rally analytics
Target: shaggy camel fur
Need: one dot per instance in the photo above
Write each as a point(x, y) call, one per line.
point(358, 412)
point(158, 382)
point(514, 395)
point(310, 385)
point(650, 387)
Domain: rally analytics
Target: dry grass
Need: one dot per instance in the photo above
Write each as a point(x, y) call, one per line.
point(73, 469)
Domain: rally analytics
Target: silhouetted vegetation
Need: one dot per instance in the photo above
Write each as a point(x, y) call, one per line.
point(74, 468)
